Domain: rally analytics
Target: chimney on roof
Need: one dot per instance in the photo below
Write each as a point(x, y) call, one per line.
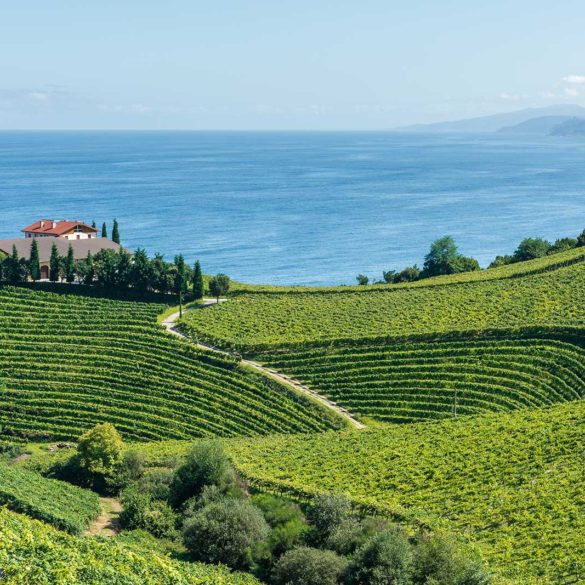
point(42, 223)
point(54, 224)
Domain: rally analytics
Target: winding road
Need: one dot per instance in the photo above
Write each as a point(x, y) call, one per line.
point(170, 324)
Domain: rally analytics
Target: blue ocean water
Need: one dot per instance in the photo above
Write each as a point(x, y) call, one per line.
point(297, 207)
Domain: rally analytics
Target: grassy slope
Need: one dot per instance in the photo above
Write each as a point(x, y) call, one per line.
point(551, 299)
point(63, 505)
point(68, 362)
point(514, 483)
point(33, 552)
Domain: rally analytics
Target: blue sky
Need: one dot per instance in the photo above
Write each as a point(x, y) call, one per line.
point(265, 64)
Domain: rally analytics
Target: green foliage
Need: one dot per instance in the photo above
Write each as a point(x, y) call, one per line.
point(65, 506)
point(116, 232)
point(219, 285)
point(326, 513)
point(228, 531)
point(384, 560)
point(362, 279)
point(70, 361)
point(142, 511)
point(69, 265)
point(531, 248)
point(441, 258)
point(34, 261)
point(206, 464)
point(308, 566)
point(512, 482)
point(563, 245)
point(104, 230)
point(33, 552)
point(100, 449)
point(54, 264)
point(198, 286)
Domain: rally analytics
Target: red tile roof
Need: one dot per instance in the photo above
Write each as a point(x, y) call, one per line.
point(45, 226)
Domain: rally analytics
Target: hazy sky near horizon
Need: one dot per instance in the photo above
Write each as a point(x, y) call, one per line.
point(302, 64)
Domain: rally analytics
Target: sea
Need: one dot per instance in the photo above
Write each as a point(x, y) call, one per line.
point(313, 208)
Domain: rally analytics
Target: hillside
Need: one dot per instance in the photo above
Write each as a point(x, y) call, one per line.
point(33, 552)
point(69, 362)
point(570, 127)
point(513, 483)
point(538, 126)
point(251, 322)
point(495, 122)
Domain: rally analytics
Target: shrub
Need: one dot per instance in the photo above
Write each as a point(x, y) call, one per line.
point(308, 566)
point(129, 470)
point(327, 512)
point(438, 560)
point(206, 464)
point(352, 533)
point(229, 531)
point(100, 449)
point(286, 520)
point(142, 511)
point(386, 559)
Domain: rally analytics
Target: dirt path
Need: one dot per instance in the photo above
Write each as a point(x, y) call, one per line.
point(19, 458)
point(170, 324)
point(106, 524)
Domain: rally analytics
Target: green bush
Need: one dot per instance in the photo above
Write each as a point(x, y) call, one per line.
point(386, 559)
point(100, 449)
point(142, 511)
point(326, 513)
point(206, 464)
point(308, 566)
point(439, 560)
point(230, 531)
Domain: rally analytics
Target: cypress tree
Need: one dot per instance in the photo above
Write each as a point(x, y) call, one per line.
point(54, 264)
point(116, 232)
point(34, 262)
point(14, 267)
point(90, 273)
point(198, 287)
point(104, 230)
point(70, 265)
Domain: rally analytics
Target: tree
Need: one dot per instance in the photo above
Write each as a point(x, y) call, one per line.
point(93, 225)
point(327, 512)
point(106, 268)
point(386, 559)
point(362, 279)
point(581, 239)
point(16, 267)
point(104, 230)
point(69, 266)
point(438, 560)
point(219, 285)
point(501, 261)
point(562, 245)
point(308, 566)
point(140, 272)
point(116, 232)
point(100, 449)
point(465, 264)
point(34, 262)
point(198, 286)
point(206, 464)
point(409, 274)
point(228, 531)
point(54, 264)
point(531, 248)
point(441, 257)
point(389, 276)
point(88, 270)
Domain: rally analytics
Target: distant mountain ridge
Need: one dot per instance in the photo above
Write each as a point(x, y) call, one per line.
point(497, 122)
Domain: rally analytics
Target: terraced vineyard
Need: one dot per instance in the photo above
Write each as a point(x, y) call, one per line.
point(61, 504)
point(33, 552)
point(68, 362)
point(512, 482)
point(256, 322)
point(406, 382)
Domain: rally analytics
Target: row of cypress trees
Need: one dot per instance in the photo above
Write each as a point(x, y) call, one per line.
point(115, 230)
point(108, 269)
